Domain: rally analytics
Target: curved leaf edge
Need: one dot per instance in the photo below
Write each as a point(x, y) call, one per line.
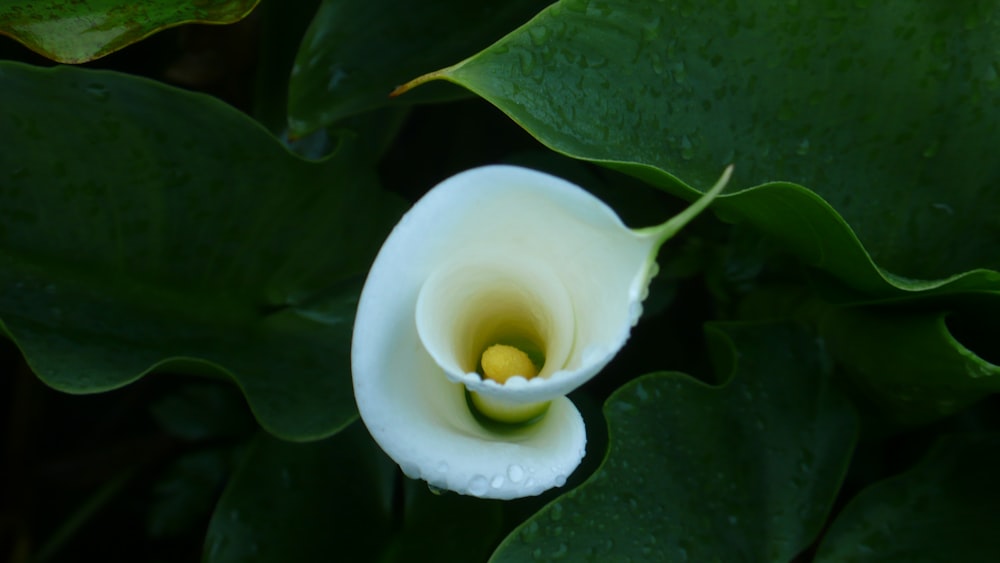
point(877, 285)
point(944, 447)
point(339, 136)
point(180, 364)
point(113, 47)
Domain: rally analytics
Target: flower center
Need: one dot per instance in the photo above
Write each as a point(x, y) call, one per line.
point(500, 318)
point(501, 362)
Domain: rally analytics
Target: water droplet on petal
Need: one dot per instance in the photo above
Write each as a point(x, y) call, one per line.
point(478, 485)
point(515, 473)
point(497, 482)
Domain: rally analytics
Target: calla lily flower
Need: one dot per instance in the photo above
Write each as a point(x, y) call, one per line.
point(501, 291)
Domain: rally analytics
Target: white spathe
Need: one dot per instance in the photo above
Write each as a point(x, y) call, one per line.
point(496, 254)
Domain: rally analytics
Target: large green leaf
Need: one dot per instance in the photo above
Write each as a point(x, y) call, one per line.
point(909, 362)
point(357, 51)
point(944, 509)
point(76, 32)
point(743, 472)
point(144, 227)
point(889, 111)
point(444, 528)
point(334, 501)
point(323, 501)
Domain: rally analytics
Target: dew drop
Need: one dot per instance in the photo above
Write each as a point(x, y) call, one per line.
point(944, 207)
point(478, 485)
point(539, 35)
point(497, 482)
point(657, 63)
point(337, 75)
point(803, 148)
point(527, 62)
point(556, 512)
point(687, 152)
point(98, 91)
point(530, 531)
point(641, 393)
point(515, 473)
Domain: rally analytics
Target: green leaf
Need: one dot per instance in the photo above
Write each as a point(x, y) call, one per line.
point(77, 32)
point(183, 497)
point(889, 111)
point(322, 501)
point(203, 411)
point(909, 362)
point(444, 527)
point(357, 51)
point(340, 499)
point(182, 238)
point(944, 509)
point(743, 472)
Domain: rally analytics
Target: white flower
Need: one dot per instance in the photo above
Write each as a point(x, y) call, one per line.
point(497, 255)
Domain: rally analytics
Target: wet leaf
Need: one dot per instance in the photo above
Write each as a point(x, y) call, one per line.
point(909, 362)
point(305, 502)
point(743, 472)
point(887, 112)
point(185, 238)
point(941, 510)
point(77, 32)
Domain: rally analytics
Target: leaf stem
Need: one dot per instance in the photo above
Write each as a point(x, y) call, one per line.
point(665, 231)
point(423, 79)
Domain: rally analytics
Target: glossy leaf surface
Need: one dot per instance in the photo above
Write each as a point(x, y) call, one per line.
point(942, 509)
point(747, 471)
point(185, 238)
point(334, 500)
point(77, 32)
point(304, 502)
point(888, 111)
point(909, 362)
